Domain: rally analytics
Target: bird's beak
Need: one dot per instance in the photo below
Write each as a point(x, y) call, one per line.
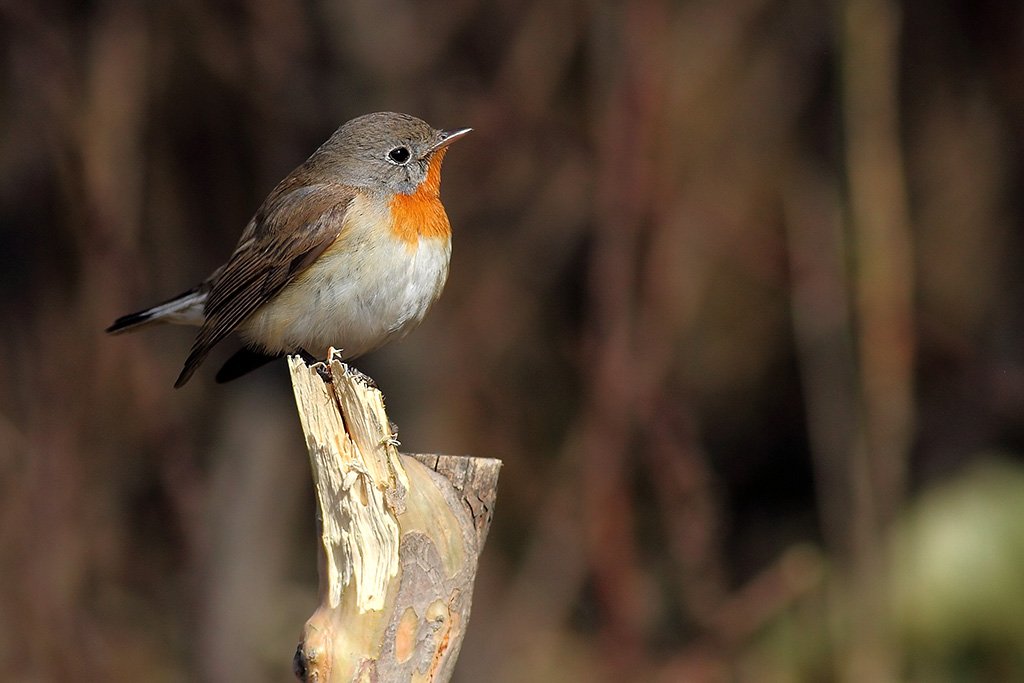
point(448, 137)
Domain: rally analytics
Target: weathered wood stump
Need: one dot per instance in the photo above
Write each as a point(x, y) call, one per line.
point(400, 538)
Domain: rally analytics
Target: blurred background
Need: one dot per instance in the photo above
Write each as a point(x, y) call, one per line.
point(734, 296)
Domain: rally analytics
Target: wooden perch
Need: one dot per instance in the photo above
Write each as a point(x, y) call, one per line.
point(400, 537)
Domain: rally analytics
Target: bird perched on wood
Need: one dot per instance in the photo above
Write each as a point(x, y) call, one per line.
point(350, 251)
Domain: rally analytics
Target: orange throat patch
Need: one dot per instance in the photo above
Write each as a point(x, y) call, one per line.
point(421, 214)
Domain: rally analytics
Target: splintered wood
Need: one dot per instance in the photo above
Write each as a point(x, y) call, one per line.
point(400, 538)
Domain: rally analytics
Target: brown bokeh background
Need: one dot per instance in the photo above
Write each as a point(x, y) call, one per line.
point(735, 296)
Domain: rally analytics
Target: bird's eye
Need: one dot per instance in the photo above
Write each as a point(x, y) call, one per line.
point(399, 155)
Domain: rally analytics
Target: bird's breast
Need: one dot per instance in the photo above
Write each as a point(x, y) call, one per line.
point(372, 285)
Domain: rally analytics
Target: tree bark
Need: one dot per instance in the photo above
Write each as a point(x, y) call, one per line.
point(400, 538)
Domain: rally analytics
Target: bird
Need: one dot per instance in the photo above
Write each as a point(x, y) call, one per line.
point(349, 251)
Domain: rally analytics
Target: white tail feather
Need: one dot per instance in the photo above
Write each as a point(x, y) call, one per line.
point(186, 309)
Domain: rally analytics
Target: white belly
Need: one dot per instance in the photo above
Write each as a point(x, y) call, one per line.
point(355, 297)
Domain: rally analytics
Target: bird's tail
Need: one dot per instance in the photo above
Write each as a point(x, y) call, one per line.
point(184, 309)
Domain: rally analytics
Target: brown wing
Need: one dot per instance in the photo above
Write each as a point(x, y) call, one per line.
point(292, 228)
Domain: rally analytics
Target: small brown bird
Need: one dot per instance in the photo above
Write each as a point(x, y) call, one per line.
point(350, 250)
